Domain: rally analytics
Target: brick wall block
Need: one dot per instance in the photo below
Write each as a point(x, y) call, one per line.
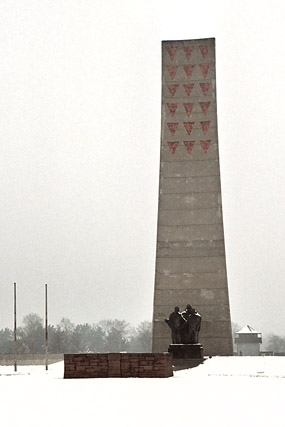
point(125, 365)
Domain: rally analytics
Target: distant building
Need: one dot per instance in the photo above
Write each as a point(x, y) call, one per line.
point(248, 341)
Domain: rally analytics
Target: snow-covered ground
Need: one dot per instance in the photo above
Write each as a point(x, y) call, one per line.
point(224, 391)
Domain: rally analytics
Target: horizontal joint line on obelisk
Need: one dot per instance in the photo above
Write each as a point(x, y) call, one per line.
point(176, 273)
point(186, 242)
point(190, 290)
point(197, 305)
point(196, 98)
point(193, 192)
point(187, 177)
point(187, 225)
point(193, 289)
point(194, 272)
point(190, 209)
point(192, 256)
point(183, 241)
point(190, 161)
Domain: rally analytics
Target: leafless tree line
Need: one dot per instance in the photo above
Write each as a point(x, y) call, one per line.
point(66, 337)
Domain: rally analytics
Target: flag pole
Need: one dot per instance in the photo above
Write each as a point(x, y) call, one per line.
point(46, 326)
point(15, 327)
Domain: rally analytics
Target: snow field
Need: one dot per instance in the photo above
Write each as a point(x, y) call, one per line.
point(223, 392)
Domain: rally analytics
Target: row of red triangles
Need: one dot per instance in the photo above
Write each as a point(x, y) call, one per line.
point(189, 107)
point(189, 145)
point(204, 49)
point(172, 70)
point(188, 126)
point(188, 88)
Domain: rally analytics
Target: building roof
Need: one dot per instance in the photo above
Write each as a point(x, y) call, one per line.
point(248, 330)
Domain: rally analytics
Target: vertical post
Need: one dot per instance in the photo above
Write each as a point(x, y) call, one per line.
point(46, 325)
point(15, 328)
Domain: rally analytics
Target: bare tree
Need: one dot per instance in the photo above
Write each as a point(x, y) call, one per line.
point(276, 344)
point(141, 338)
point(31, 334)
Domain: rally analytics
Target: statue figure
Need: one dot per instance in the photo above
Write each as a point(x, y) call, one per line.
point(193, 323)
point(176, 323)
point(185, 326)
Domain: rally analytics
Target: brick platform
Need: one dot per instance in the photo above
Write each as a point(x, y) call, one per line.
point(104, 365)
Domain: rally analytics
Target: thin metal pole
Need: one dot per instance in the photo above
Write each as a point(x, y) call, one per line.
point(46, 325)
point(15, 328)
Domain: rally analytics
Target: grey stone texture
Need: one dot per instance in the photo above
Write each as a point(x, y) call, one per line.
point(190, 259)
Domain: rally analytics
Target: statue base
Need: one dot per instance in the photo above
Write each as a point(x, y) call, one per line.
point(186, 351)
point(185, 356)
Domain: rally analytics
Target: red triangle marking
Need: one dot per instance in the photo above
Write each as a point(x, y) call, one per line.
point(188, 51)
point(189, 145)
point(188, 126)
point(172, 108)
point(204, 50)
point(172, 89)
point(205, 88)
point(172, 127)
point(204, 69)
point(188, 88)
point(188, 70)
point(205, 145)
point(173, 146)
point(172, 71)
point(205, 126)
point(204, 107)
point(172, 51)
point(188, 108)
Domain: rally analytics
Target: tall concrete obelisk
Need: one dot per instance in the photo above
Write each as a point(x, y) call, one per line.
point(190, 259)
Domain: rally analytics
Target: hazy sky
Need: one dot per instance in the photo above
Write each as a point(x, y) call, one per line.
point(80, 96)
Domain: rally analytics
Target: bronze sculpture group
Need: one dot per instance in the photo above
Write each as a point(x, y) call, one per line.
point(185, 325)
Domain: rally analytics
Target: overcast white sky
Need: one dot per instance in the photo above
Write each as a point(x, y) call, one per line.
point(80, 96)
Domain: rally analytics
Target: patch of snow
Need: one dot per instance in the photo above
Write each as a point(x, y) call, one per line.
point(222, 392)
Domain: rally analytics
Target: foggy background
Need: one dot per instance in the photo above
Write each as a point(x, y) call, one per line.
point(80, 96)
